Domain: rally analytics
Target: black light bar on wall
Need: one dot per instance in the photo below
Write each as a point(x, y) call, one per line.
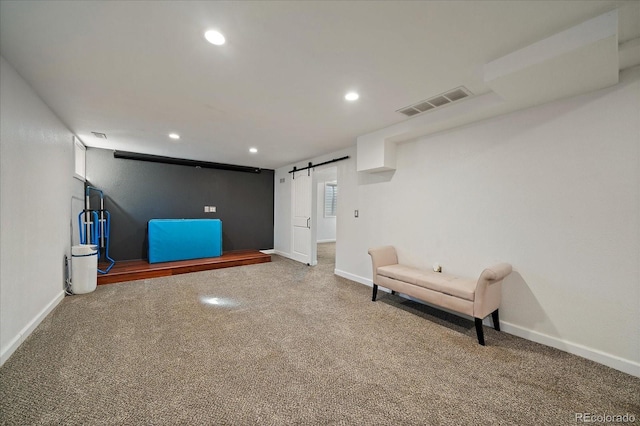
point(182, 162)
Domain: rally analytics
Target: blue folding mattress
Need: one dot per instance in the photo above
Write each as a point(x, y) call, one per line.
point(182, 239)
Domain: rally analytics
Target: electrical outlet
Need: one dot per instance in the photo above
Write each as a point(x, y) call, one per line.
point(206, 209)
point(355, 213)
point(212, 209)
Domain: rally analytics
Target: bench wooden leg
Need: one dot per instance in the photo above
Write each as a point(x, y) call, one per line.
point(375, 292)
point(479, 331)
point(496, 320)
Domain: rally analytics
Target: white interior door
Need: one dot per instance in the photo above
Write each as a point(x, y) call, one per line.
point(302, 208)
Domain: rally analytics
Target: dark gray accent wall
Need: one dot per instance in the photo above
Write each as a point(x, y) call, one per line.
point(137, 191)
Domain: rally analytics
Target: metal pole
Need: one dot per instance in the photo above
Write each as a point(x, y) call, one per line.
point(87, 221)
point(102, 223)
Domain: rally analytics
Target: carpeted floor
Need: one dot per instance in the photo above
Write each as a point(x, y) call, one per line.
point(284, 343)
point(327, 254)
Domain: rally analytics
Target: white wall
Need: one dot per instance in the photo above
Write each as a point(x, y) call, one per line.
point(554, 190)
point(36, 186)
point(326, 226)
point(282, 212)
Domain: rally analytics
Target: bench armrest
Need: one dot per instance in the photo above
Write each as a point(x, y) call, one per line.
point(496, 273)
point(489, 289)
point(382, 256)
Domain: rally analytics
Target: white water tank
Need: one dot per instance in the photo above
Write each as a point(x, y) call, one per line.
point(84, 268)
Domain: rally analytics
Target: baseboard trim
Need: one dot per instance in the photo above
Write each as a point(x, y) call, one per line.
point(288, 256)
point(8, 350)
point(618, 363)
point(352, 277)
point(326, 241)
point(269, 251)
point(615, 362)
point(283, 254)
point(360, 280)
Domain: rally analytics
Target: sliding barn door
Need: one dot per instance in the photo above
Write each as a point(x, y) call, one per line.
point(302, 207)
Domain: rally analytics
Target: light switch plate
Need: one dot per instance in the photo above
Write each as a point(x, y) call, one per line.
point(355, 213)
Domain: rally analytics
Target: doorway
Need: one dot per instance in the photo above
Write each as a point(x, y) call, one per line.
point(326, 212)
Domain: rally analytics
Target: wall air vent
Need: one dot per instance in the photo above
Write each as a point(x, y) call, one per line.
point(99, 135)
point(436, 101)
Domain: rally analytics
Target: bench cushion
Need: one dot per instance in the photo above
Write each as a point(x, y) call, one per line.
point(448, 284)
point(463, 288)
point(401, 273)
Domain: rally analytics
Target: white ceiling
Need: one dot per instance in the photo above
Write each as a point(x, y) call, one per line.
point(138, 70)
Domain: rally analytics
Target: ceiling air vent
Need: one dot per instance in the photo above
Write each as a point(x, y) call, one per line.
point(436, 102)
point(439, 101)
point(99, 135)
point(425, 106)
point(457, 94)
point(410, 111)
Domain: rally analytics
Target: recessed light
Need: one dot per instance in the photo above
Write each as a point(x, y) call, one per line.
point(174, 136)
point(214, 37)
point(253, 150)
point(351, 96)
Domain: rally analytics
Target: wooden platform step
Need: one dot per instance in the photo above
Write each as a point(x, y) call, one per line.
point(130, 270)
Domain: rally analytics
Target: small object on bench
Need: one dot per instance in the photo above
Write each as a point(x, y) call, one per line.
point(476, 298)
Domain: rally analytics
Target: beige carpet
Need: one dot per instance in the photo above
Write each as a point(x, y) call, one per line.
point(284, 343)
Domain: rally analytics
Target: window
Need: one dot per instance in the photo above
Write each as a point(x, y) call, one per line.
point(79, 159)
point(330, 199)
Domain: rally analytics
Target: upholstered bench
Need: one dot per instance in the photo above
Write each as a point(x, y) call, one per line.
point(473, 297)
